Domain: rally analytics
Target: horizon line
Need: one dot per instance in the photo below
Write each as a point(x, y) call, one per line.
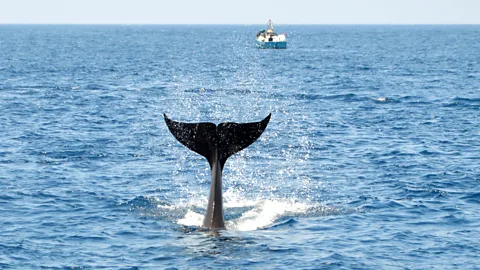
point(244, 24)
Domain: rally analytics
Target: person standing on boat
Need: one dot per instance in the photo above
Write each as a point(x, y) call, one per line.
point(270, 25)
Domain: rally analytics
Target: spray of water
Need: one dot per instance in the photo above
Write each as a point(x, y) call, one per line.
point(264, 182)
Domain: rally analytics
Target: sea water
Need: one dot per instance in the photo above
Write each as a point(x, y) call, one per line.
point(371, 159)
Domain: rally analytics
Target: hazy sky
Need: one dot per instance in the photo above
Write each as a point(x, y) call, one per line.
point(240, 11)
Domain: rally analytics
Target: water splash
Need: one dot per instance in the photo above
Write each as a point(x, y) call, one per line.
point(263, 214)
point(251, 215)
point(191, 218)
point(266, 213)
point(242, 214)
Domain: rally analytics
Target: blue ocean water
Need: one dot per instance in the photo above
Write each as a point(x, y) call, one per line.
point(370, 161)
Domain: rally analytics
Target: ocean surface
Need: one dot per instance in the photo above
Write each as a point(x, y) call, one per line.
point(371, 159)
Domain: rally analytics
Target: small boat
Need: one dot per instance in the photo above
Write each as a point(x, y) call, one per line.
point(268, 39)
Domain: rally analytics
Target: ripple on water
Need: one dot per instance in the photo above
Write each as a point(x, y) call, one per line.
point(369, 161)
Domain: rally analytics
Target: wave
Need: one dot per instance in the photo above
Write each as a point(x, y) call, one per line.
point(472, 197)
point(467, 100)
point(462, 102)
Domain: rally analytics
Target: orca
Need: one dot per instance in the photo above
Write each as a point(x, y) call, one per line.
point(216, 143)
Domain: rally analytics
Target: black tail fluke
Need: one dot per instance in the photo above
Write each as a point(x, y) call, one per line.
point(217, 143)
point(234, 137)
point(198, 137)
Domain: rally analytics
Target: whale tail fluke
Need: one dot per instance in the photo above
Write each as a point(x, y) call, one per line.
point(216, 143)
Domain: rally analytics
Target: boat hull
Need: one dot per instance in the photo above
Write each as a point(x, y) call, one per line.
point(272, 44)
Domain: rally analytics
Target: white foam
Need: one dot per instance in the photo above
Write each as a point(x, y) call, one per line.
point(191, 219)
point(381, 99)
point(265, 213)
